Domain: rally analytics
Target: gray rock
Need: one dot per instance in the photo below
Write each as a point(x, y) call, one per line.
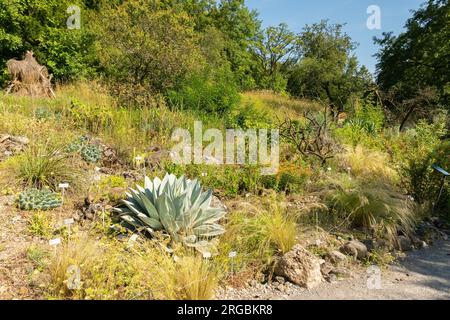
point(355, 248)
point(300, 267)
point(21, 140)
point(326, 268)
point(341, 272)
point(336, 257)
point(403, 244)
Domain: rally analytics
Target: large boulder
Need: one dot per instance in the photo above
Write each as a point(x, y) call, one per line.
point(300, 267)
point(355, 248)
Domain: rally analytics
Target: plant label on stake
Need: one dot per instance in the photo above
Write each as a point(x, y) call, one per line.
point(206, 255)
point(63, 187)
point(55, 243)
point(68, 223)
point(140, 161)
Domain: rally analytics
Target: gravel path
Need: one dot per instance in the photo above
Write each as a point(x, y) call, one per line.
point(423, 274)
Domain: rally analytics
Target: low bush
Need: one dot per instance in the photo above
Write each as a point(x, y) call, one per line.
point(40, 224)
point(257, 233)
point(44, 165)
point(208, 93)
point(112, 270)
point(368, 165)
point(376, 208)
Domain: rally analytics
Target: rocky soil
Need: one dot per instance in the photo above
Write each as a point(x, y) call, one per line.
point(421, 274)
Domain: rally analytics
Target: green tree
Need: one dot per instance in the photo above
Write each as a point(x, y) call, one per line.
point(146, 46)
point(40, 25)
point(327, 68)
point(274, 48)
point(417, 61)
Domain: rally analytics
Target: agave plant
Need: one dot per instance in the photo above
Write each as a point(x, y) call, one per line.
point(178, 207)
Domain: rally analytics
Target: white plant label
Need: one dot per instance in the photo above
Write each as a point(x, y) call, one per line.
point(207, 255)
point(55, 242)
point(232, 254)
point(68, 221)
point(63, 185)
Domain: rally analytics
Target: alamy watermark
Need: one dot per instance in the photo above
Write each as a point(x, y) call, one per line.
point(74, 20)
point(373, 278)
point(237, 147)
point(374, 19)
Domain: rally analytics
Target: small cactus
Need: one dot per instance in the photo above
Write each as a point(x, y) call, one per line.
point(35, 199)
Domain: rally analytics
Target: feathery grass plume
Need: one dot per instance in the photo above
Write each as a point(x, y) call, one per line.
point(368, 164)
point(375, 207)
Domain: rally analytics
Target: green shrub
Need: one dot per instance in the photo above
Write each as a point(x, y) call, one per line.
point(250, 117)
point(90, 117)
point(226, 180)
point(415, 154)
point(208, 93)
point(364, 125)
point(40, 26)
point(40, 224)
point(289, 179)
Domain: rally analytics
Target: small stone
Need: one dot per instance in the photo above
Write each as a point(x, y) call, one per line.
point(280, 279)
point(403, 244)
point(326, 268)
point(253, 283)
point(336, 257)
point(331, 278)
point(355, 248)
point(341, 272)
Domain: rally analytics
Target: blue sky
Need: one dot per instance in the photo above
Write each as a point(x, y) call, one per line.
point(297, 13)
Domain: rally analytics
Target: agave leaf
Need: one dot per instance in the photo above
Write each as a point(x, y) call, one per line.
point(148, 184)
point(209, 216)
point(156, 185)
point(148, 205)
point(209, 230)
point(204, 200)
point(196, 191)
point(137, 197)
point(166, 215)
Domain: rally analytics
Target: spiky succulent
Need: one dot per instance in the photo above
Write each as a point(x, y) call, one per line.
point(178, 207)
point(35, 199)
